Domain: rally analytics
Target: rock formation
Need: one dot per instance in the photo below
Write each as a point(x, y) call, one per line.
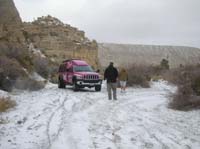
point(15, 59)
point(9, 13)
point(39, 46)
point(60, 41)
point(57, 40)
point(11, 35)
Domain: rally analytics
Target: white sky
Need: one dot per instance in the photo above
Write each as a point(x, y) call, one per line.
point(164, 22)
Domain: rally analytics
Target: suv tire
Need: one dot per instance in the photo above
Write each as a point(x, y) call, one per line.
point(75, 86)
point(61, 83)
point(98, 88)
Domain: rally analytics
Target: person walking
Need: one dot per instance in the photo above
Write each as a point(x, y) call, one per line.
point(111, 75)
point(123, 78)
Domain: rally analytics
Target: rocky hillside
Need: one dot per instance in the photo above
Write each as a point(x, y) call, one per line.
point(9, 13)
point(38, 46)
point(60, 41)
point(10, 26)
point(127, 54)
point(15, 60)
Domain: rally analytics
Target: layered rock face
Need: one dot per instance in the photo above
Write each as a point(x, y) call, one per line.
point(11, 35)
point(60, 41)
point(23, 45)
point(57, 40)
point(9, 13)
point(126, 55)
point(15, 60)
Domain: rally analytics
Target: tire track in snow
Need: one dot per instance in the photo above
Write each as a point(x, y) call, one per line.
point(80, 103)
point(49, 122)
point(86, 101)
point(147, 119)
point(107, 126)
point(141, 119)
point(115, 136)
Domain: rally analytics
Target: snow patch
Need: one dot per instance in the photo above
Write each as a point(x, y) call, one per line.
point(63, 119)
point(3, 93)
point(35, 51)
point(35, 76)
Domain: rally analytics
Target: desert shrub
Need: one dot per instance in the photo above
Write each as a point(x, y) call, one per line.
point(41, 66)
point(10, 70)
point(141, 74)
point(6, 84)
point(187, 80)
point(164, 64)
point(53, 72)
point(21, 55)
point(196, 84)
point(54, 78)
point(29, 84)
point(6, 103)
point(12, 74)
point(181, 98)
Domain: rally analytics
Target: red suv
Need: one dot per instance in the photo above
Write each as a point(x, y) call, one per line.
point(78, 74)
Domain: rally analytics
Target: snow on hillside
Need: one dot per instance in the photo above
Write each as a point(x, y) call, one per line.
point(55, 118)
point(128, 54)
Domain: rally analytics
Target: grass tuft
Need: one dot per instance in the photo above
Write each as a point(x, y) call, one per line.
point(6, 103)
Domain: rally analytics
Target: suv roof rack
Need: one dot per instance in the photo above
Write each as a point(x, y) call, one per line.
point(70, 60)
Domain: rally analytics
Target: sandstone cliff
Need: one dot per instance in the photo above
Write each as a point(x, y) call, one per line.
point(127, 54)
point(57, 40)
point(9, 13)
point(11, 36)
point(15, 59)
point(38, 46)
point(60, 41)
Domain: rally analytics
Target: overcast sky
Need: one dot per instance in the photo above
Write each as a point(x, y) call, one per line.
point(163, 22)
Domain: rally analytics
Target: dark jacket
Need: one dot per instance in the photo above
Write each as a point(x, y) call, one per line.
point(111, 74)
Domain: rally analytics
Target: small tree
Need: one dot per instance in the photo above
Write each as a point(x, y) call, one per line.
point(164, 64)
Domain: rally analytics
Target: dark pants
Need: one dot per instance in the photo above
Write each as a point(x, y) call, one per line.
point(112, 87)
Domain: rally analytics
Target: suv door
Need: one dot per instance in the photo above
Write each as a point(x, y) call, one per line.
point(70, 74)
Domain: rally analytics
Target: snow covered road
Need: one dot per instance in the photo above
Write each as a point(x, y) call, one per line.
point(55, 118)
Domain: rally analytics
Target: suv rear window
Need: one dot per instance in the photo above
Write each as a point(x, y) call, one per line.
point(83, 69)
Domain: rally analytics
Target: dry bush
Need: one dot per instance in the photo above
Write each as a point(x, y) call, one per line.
point(53, 72)
point(54, 78)
point(21, 55)
point(141, 74)
point(181, 101)
point(6, 103)
point(10, 70)
point(164, 64)
point(41, 66)
point(187, 80)
point(29, 84)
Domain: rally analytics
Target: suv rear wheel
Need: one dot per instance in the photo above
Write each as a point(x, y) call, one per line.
point(61, 83)
point(98, 88)
point(75, 86)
